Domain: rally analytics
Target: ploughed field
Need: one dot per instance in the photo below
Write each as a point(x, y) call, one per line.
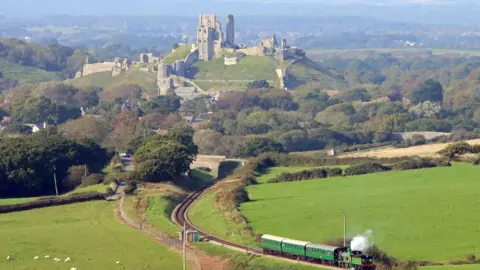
point(88, 233)
point(428, 214)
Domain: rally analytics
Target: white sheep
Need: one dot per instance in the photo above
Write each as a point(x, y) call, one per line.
point(57, 260)
point(8, 257)
point(73, 268)
point(67, 259)
point(118, 262)
point(47, 256)
point(35, 258)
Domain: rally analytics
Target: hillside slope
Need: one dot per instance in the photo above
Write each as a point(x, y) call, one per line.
point(307, 73)
point(24, 74)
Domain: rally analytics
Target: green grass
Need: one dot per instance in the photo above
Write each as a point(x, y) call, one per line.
point(206, 216)
point(86, 232)
point(178, 54)
point(249, 68)
point(159, 212)
point(146, 80)
point(24, 74)
point(430, 214)
point(307, 73)
point(17, 200)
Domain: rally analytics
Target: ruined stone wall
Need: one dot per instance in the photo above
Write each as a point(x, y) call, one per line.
point(230, 29)
point(257, 51)
point(190, 59)
point(230, 61)
point(89, 69)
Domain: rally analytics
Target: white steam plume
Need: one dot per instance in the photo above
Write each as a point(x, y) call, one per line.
point(362, 242)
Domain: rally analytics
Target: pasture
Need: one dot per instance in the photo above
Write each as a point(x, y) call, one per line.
point(429, 214)
point(88, 233)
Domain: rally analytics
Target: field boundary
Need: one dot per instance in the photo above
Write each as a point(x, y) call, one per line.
point(48, 202)
point(163, 237)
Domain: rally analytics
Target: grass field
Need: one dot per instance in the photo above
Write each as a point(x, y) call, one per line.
point(88, 233)
point(24, 74)
point(225, 85)
point(429, 214)
point(178, 54)
point(249, 68)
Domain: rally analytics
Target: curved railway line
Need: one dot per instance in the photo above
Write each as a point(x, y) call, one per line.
point(180, 217)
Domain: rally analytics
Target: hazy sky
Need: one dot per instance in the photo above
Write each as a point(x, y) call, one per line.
point(436, 11)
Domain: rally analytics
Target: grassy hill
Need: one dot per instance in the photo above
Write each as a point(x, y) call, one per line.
point(413, 214)
point(309, 74)
point(24, 74)
point(248, 68)
point(88, 233)
point(146, 80)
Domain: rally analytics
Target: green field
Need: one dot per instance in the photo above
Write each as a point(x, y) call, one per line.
point(88, 233)
point(178, 54)
point(430, 214)
point(249, 68)
point(224, 85)
point(24, 74)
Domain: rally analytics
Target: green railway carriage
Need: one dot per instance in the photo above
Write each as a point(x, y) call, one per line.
point(294, 247)
point(272, 243)
point(322, 252)
point(356, 260)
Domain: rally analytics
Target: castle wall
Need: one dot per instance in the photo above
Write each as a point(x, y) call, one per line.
point(230, 61)
point(257, 51)
point(190, 59)
point(230, 29)
point(89, 69)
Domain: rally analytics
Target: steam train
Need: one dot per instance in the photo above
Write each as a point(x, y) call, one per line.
point(316, 253)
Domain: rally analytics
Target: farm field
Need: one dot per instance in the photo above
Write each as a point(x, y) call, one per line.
point(24, 74)
point(413, 214)
point(87, 232)
point(428, 150)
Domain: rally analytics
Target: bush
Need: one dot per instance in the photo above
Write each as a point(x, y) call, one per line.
point(307, 175)
point(471, 258)
point(205, 169)
point(414, 164)
point(476, 161)
point(109, 191)
point(93, 179)
point(366, 169)
point(131, 187)
point(333, 172)
point(110, 178)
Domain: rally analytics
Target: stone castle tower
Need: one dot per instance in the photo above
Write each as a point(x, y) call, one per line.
point(230, 31)
point(210, 36)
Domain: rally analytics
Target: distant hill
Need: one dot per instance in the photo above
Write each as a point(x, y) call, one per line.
point(307, 73)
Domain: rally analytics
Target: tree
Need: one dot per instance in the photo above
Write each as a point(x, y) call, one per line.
point(86, 127)
point(258, 84)
point(430, 90)
point(165, 157)
point(161, 104)
point(452, 151)
point(18, 129)
point(34, 110)
point(257, 146)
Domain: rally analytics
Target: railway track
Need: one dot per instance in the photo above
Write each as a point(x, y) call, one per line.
point(180, 217)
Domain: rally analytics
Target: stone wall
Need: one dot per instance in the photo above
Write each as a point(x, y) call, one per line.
point(230, 61)
point(191, 58)
point(256, 51)
point(89, 69)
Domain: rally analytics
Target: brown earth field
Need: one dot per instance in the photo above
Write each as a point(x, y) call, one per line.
point(429, 150)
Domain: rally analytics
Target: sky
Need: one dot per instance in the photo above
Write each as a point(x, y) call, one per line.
point(434, 11)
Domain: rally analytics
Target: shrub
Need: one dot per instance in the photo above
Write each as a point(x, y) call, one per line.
point(307, 175)
point(109, 191)
point(366, 169)
point(476, 161)
point(110, 178)
point(131, 187)
point(414, 164)
point(333, 172)
point(93, 179)
point(205, 169)
point(471, 258)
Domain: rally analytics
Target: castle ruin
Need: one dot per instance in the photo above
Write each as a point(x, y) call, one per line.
point(210, 40)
